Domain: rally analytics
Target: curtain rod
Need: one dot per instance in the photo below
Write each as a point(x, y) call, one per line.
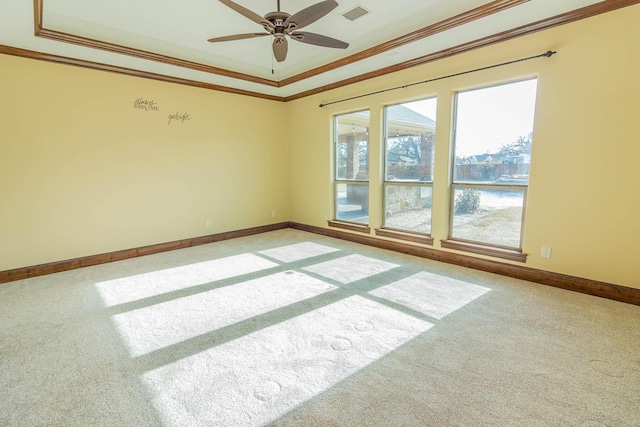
point(547, 54)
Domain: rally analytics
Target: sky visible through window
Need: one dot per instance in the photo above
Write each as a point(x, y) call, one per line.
point(488, 118)
point(491, 117)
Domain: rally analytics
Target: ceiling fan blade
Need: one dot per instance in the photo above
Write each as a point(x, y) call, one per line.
point(237, 37)
point(280, 46)
point(248, 14)
point(318, 40)
point(310, 14)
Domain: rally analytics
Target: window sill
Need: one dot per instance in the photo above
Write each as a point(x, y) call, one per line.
point(351, 226)
point(400, 235)
point(509, 254)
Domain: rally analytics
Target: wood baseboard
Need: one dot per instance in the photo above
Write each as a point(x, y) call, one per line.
point(572, 283)
point(72, 264)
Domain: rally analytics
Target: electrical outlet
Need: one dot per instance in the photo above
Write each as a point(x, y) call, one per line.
point(273, 214)
point(545, 252)
point(266, 214)
point(208, 223)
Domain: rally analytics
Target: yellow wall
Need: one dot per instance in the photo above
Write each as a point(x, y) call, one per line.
point(582, 202)
point(83, 172)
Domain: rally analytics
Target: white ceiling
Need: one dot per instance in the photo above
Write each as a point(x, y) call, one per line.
point(180, 29)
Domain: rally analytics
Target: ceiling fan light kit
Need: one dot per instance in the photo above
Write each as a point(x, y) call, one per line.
point(281, 24)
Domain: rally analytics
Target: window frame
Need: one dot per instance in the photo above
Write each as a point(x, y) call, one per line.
point(339, 222)
point(396, 232)
point(480, 247)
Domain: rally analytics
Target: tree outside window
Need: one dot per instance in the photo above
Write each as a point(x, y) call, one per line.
point(351, 151)
point(492, 157)
point(410, 131)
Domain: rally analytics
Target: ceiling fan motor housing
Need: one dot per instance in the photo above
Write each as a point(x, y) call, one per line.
point(278, 19)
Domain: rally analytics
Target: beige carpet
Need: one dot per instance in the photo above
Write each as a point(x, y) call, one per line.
point(293, 329)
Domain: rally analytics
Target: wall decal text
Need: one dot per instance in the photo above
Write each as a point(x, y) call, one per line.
point(179, 117)
point(146, 104)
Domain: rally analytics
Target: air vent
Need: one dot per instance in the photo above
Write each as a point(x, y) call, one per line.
point(355, 13)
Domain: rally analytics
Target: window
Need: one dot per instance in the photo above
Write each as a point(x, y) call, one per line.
point(409, 147)
point(492, 154)
point(351, 183)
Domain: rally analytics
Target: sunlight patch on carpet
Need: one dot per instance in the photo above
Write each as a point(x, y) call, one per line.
point(351, 268)
point(154, 327)
point(297, 252)
point(259, 377)
point(139, 286)
point(431, 294)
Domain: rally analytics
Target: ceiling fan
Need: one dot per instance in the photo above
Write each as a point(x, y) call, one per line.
point(280, 24)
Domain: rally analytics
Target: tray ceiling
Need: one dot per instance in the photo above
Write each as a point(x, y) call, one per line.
point(168, 39)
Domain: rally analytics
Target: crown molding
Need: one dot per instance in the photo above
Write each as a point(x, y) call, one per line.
point(42, 56)
point(544, 24)
point(447, 24)
point(474, 14)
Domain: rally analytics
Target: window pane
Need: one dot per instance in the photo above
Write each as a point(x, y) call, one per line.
point(493, 136)
point(408, 207)
point(352, 146)
point(410, 135)
point(488, 216)
point(352, 202)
